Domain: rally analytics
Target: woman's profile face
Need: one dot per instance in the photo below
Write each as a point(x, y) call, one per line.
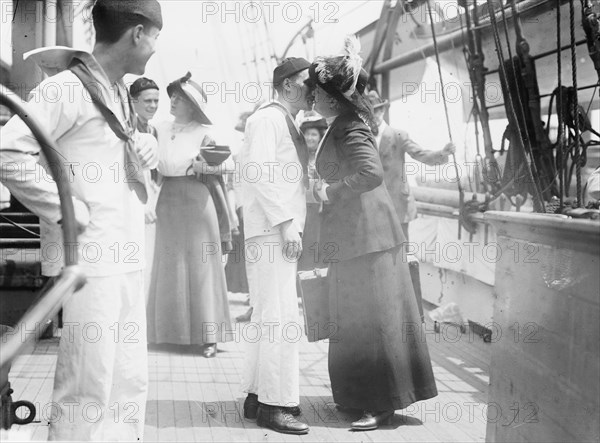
point(181, 107)
point(324, 102)
point(312, 137)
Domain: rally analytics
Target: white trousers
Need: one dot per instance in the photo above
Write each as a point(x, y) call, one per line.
point(271, 368)
point(101, 379)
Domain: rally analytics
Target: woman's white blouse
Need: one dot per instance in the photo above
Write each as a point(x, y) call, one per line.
point(178, 145)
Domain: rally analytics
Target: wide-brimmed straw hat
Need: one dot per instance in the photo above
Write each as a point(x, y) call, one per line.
point(193, 92)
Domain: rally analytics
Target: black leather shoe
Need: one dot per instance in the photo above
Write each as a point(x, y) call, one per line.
point(251, 406)
point(371, 420)
point(294, 410)
point(280, 420)
point(210, 351)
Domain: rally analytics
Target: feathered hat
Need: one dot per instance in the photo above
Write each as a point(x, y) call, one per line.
point(194, 94)
point(342, 75)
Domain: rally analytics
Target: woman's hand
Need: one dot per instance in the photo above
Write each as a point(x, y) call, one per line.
point(320, 191)
point(200, 166)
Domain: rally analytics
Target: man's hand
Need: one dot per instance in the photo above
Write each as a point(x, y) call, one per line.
point(292, 242)
point(449, 149)
point(146, 148)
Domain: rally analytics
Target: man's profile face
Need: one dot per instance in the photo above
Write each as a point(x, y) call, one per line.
point(144, 49)
point(146, 104)
point(298, 93)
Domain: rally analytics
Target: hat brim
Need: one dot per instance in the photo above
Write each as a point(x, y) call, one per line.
point(310, 81)
point(177, 87)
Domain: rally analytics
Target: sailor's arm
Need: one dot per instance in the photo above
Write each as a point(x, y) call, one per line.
point(21, 158)
point(423, 155)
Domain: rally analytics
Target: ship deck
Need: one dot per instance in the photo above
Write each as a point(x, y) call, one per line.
point(196, 399)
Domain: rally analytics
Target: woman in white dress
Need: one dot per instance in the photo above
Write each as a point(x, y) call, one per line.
point(188, 291)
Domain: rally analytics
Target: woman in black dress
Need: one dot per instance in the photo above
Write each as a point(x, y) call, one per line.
point(378, 358)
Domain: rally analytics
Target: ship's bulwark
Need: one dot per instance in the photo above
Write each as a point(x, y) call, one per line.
point(545, 365)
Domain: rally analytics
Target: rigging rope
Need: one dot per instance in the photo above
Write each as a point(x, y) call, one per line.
point(560, 148)
point(468, 53)
point(493, 175)
point(524, 57)
point(537, 197)
point(575, 104)
point(437, 59)
point(587, 111)
point(15, 224)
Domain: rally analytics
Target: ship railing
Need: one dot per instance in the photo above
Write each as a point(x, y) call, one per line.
point(32, 325)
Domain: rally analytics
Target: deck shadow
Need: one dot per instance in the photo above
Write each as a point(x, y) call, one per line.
point(196, 414)
point(316, 412)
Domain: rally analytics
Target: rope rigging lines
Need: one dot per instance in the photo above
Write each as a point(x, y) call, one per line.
point(524, 142)
point(462, 222)
point(575, 104)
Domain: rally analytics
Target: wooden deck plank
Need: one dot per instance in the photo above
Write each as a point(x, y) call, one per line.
point(235, 360)
point(327, 424)
point(165, 410)
point(234, 415)
point(184, 426)
point(226, 416)
point(32, 377)
point(151, 427)
point(27, 387)
point(196, 399)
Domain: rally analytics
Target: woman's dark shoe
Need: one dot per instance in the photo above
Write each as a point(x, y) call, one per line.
point(251, 406)
point(210, 350)
point(346, 410)
point(279, 419)
point(371, 420)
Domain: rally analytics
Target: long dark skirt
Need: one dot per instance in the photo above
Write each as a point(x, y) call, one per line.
point(311, 247)
point(378, 357)
point(187, 303)
point(235, 271)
